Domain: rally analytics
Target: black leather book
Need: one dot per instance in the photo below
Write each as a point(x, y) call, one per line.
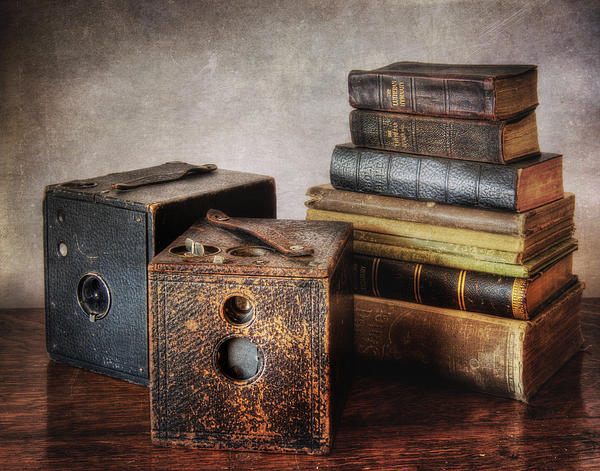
point(518, 186)
point(465, 139)
point(465, 290)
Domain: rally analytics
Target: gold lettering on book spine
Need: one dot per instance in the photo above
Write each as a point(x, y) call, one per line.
point(398, 94)
point(517, 298)
point(396, 133)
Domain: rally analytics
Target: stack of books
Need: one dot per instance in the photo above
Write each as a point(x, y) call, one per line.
point(463, 233)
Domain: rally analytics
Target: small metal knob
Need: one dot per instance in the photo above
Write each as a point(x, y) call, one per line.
point(194, 248)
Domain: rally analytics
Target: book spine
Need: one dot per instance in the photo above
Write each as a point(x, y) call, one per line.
point(422, 231)
point(424, 178)
point(327, 198)
point(432, 96)
point(462, 139)
point(482, 352)
point(465, 250)
point(441, 286)
point(441, 259)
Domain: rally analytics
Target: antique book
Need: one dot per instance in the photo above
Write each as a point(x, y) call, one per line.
point(467, 250)
point(529, 243)
point(327, 198)
point(525, 269)
point(465, 139)
point(519, 186)
point(491, 354)
point(459, 289)
point(492, 92)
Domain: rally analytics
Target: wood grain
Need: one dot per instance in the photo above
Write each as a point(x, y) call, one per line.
point(54, 416)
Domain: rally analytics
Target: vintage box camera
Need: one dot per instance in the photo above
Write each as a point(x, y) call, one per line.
point(100, 235)
point(251, 331)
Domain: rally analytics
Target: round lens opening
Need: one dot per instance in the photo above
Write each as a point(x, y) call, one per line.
point(93, 296)
point(239, 359)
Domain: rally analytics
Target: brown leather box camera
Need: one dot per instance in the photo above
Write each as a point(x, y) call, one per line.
point(251, 331)
point(100, 234)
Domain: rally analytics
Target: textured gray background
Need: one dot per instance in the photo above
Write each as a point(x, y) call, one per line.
point(88, 88)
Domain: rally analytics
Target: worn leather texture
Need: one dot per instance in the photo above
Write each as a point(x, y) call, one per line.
point(301, 326)
point(443, 137)
point(265, 234)
point(461, 91)
point(440, 286)
point(428, 178)
point(458, 71)
point(325, 197)
point(424, 178)
point(110, 242)
point(169, 172)
point(504, 357)
point(114, 234)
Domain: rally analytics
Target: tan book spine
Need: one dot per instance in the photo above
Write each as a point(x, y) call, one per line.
point(521, 270)
point(327, 198)
point(499, 356)
point(433, 246)
point(362, 222)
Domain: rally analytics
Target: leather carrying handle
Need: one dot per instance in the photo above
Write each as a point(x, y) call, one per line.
point(268, 235)
point(165, 174)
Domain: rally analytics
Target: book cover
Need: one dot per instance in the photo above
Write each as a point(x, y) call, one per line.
point(519, 186)
point(325, 197)
point(453, 288)
point(540, 240)
point(495, 355)
point(464, 139)
point(526, 269)
point(492, 92)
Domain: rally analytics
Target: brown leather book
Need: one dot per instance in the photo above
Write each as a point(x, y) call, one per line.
point(465, 290)
point(327, 198)
point(454, 138)
point(492, 92)
point(504, 357)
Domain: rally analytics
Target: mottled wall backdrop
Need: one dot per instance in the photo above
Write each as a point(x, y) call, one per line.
point(91, 87)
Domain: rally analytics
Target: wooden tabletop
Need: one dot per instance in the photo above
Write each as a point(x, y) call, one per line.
point(54, 416)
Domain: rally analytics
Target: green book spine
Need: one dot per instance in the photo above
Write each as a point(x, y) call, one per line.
point(477, 253)
point(481, 239)
point(524, 270)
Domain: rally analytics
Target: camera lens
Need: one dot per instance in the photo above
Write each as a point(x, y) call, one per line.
point(93, 296)
point(239, 359)
point(238, 310)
